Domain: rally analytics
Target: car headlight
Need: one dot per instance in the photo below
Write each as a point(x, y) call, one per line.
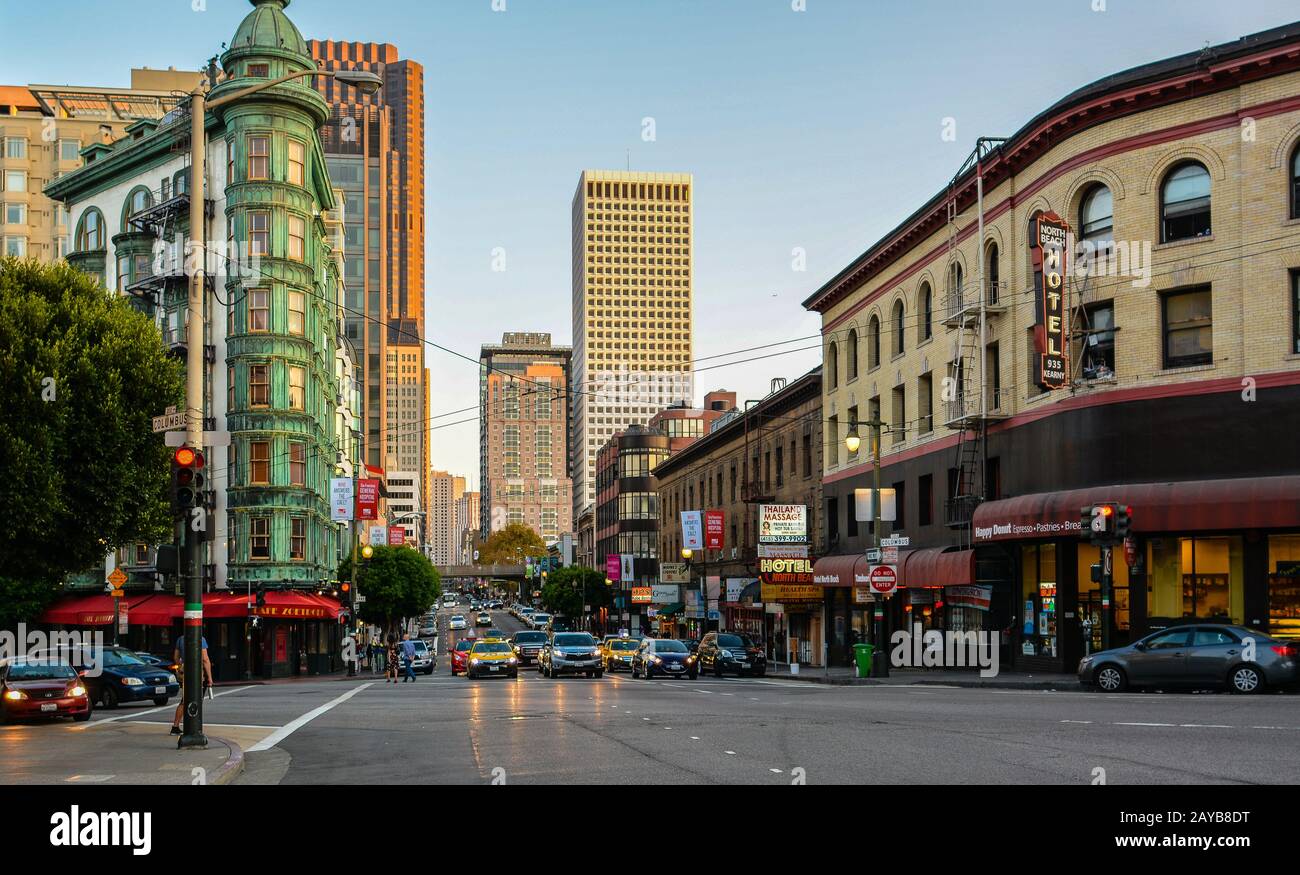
point(656, 660)
point(690, 659)
point(475, 661)
point(513, 660)
point(597, 654)
point(132, 682)
point(15, 695)
point(78, 691)
point(726, 654)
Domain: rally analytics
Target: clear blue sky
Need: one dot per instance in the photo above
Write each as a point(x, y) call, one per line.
point(817, 129)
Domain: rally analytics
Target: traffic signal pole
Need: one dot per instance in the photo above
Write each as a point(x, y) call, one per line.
point(1107, 588)
point(192, 731)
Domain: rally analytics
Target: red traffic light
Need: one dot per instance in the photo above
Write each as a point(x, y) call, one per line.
point(188, 457)
point(345, 586)
point(1106, 510)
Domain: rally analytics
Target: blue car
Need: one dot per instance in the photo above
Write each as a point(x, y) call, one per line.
point(125, 677)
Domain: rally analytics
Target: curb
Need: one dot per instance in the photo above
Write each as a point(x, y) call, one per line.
point(875, 682)
point(232, 768)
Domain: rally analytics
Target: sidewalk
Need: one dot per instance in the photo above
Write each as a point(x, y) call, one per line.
point(842, 675)
point(111, 753)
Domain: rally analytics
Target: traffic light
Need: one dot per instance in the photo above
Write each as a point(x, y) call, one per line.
point(188, 480)
point(1123, 519)
point(1106, 523)
point(261, 598)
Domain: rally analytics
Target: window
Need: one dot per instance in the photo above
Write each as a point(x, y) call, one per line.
point(15, 180)
point(15, 214)
point(297, 235)
point(832, 365)
point(1295, 312)
point(1295, 184)
point(297, 388)
point(259, 71)
point(925, 305)
point(259, 232)
point(259, 385)
point(138, 202)
point(297, 162)
point(898, 402)
point(1097, 219)
point(807, 455)
point(297, 312)
point(1095, 328)
point(15, 147)
point(16, 247)
point(899, 322)
point(259, 538)
point(925, 500)
point(259, 462)
point(297, 463)
point(297, 538)
point(853, 354)
point(925, 403)
point(1185, 203)
point(259, 310)
point(1188, 328)
point(259, 157)
point(780, 471)
point(69, 150)
point(834, 426)
point(993, 368)
point(873, 343)
point(90, 232)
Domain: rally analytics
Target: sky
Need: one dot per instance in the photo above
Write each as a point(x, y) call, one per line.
point(808, 124)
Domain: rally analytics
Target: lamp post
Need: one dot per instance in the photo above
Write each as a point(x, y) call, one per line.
point(852, 442)
point(687, 553)
point(192, 733)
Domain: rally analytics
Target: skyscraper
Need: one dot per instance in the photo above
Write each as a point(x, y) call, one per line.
point(524, 435)
point(632, 251)
point(374, 146)
point(446, 491)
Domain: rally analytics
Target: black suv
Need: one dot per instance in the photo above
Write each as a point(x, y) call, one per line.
point(528, 645)
point(721, 652)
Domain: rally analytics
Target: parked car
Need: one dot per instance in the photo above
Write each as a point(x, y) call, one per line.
point(460, 655)
point(663, 656)
point(528, 645)
point(42, 688)
point(721, 652)
point(160, 661)
point(492, 657)
point(124, 677)
point(571, 653)
point(1209, 655)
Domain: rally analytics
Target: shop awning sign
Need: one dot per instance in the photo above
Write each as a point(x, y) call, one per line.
point(977, 597)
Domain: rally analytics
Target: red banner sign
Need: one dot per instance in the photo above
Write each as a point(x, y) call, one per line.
point(613, 567)
point(396, 536)
point(713, 522)
point(367, 499)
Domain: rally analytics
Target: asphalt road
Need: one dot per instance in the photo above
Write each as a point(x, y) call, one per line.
point(614, 730)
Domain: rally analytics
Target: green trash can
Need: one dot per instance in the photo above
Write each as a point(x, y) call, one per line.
point(862, 654)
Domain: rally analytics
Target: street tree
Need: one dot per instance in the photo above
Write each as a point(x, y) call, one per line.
point(568, 590)
point(509, 546)
point(397, 582)
point(82, 373)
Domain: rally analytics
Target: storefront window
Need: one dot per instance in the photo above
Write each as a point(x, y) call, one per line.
point(1038, 589)
point(1284, 586)
point(1090, 593)
point(1196, 578)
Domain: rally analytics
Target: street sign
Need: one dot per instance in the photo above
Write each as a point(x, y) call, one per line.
point(359, 600)
point(168, 421)
point(883, 579)
point(895, 541)
point(873, 555)
point(117, 593)
point(117, 578)
point(889, 555)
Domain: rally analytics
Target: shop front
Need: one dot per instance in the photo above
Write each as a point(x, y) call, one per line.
point(295, 634)
point(788, 581)
point(1220, 550)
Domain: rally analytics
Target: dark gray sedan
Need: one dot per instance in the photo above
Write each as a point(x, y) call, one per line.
point(1202, 655)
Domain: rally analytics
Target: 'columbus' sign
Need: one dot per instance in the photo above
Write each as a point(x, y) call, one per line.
point(1051, 369)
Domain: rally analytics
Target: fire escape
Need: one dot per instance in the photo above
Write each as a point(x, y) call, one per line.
point(968, 400)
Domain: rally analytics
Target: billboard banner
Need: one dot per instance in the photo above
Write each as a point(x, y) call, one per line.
point(367, 499)
point(782, 523)
point(692, 534)
point(613, 568)
point(396, 536)
point(674, 573)
point(713, 523)
point(341, 499)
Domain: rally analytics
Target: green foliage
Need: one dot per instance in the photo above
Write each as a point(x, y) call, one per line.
point(397, 582)
point(568, 590)
point(82, 373)
point(511, 545)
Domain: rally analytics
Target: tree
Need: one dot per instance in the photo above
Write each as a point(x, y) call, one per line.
point(397, 582)
point(568, 590)
point(82, 372)
point(511, 545)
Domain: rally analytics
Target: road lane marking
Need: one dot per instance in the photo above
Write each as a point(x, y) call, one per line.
point(1204, 726)
point(777, 771)
point(730, 753)
point(695, 738)
point(294, 725)
point(1082, 722)
point(1144, 724)
point(137, 714)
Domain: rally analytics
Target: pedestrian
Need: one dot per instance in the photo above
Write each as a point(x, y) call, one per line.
point(206, 675)
point(390, 673)
point(376, 652)
point(408, 657)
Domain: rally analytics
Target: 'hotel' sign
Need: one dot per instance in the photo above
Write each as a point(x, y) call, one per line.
point(1051, 370)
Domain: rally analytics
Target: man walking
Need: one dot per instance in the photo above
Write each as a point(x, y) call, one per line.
point(408, 657)
point(206, 676)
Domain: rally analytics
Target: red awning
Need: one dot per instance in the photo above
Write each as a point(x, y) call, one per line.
point(1186, 506)
point(936, 566)
point(154, 609)
point(290, 605)
point(86, 610)
point(840, 570)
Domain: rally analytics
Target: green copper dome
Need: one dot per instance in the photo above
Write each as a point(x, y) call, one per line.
point(267, 31)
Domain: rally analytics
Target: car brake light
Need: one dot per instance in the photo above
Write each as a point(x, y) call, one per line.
point(1290, 650)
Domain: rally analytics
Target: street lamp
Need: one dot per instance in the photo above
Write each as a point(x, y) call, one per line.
point(853, 441)
point(368, 83)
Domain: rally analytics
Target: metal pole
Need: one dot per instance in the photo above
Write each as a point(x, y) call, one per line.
point(192, 732)
point(1107, 553)
point(882, 621)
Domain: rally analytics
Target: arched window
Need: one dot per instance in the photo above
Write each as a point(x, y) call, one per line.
point(873, 342)
point(898, 328)
point(1185, 203)
point(1097, 218)
point(993, 273)
point(832, 366)
point(137, 201)
point(90, 232)
point(1295, 184)
point(853, 353)
point(925, 307)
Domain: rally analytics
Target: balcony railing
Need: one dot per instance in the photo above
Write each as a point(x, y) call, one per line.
point(964, 303)
point(959, 510)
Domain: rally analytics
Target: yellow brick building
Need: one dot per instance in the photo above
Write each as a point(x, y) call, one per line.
point(1182, 359)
